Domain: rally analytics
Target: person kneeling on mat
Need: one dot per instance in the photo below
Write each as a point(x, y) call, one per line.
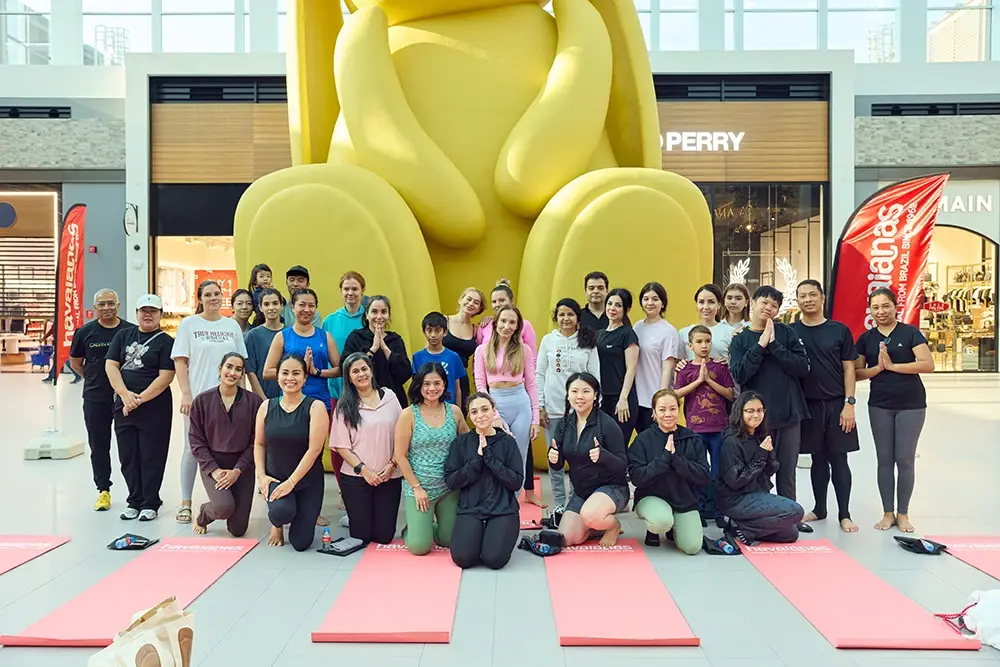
point(289, 438)
point(222, 442)
point(485, 467)
point(595, 451)
point(669, 467)
point(744, 487)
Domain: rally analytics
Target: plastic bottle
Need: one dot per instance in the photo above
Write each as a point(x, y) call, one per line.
point(123, 542)
point(327, 539)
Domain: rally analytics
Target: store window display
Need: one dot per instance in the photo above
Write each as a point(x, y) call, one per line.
point(959, 311)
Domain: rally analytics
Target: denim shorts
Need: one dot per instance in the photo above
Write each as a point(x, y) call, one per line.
point(619, 494)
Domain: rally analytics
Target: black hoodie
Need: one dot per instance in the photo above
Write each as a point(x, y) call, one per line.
point(487, 484)
point(586, 475)
point(676, 478)
point(743, 467)
point(391, 373)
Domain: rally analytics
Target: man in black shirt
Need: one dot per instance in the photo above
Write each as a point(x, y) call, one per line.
point(768, 357)
point(140, 370)
point(86, 358)
point(829, 433)
point(593, 316)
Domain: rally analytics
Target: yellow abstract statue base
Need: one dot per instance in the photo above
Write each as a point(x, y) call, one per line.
point(443, 144)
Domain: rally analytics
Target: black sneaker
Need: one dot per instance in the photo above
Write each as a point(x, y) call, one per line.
point(804, 527)
point(670, 535)
point(652, 539)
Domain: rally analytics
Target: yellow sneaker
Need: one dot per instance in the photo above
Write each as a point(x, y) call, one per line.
point(103, 503)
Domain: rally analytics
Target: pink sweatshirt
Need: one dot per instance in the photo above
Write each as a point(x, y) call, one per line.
point(528, 337)
point(484, 376)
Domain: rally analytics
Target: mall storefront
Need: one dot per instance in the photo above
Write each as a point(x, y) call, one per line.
point(760, 152)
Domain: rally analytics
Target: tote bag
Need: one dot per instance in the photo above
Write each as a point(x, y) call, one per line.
point(160, 637)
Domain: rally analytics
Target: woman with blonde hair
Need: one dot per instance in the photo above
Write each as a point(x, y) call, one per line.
point(504, 366)
point(502, 296)
point(461, 335)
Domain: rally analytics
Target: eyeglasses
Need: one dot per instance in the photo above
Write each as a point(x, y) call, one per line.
point(753, 411)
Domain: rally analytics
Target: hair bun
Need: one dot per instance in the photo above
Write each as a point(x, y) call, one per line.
point(503, 282)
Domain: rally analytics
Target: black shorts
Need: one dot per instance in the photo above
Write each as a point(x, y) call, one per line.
point(821, 433)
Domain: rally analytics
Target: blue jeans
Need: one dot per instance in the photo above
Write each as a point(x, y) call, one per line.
point(66, 366)
point(766, 517)
point(707, 504)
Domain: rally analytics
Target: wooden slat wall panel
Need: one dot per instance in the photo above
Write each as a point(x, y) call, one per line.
point(36, 215)
point(784, 142)
point(217, 143)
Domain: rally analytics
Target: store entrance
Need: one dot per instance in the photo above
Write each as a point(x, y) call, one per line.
point(959, 311)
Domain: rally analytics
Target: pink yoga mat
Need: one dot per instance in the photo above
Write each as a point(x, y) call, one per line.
point(980, 551)
point(180, 566)
point(16, 550)
point(531, 515)
point(649, 618)
point(848, 604)
point(423, 591)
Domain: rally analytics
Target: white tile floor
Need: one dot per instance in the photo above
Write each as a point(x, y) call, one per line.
point(261, 612)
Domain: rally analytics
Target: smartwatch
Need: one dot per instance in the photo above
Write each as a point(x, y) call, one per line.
point(357, 468)
point(850, 400)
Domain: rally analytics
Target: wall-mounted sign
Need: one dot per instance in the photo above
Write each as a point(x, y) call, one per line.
point(714, 142)
point(936, 306)
point(977, 203)
point(746, 142)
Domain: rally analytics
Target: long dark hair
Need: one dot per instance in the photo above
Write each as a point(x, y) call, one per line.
point(626, 298)
point(657, 289)
point(717, 293)
point(372, 299)
point(742, 289)
point(349, 403)
point(736, 423)
point(596, 386)
point(586, 338)
point(252, 285)
point(258, 313)
point(241, 292)
point(201, 290)
point(417, 383)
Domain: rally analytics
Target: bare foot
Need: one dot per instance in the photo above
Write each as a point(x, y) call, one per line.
point(611, 535)
point(530, 497)
point(277, 537)
point(903, 523)
point(810, 516)
point(341, 506)
point(197, 528)
point(887, 522)
point(322, 521)
point(848, 526)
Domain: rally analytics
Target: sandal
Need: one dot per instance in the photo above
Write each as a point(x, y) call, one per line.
point(183, 515)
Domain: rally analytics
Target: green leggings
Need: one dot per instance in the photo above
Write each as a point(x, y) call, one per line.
point(421, 530)
point(660, 518)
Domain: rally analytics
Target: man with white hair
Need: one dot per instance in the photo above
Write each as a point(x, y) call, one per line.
point(86, 357)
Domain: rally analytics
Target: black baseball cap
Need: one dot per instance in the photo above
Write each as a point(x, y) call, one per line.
point(297, 270)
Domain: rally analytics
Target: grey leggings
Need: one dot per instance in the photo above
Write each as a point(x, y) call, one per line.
point(514, 407)
point(896, 433)
point(189, 464)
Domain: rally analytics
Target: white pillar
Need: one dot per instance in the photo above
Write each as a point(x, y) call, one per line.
point(822, 25)
point(654, 26)
point(737, 25)
point(912, 31)
point(239, 9)
point(712, 25)
point(263, 26)
point(157, 10)
point(66, 33)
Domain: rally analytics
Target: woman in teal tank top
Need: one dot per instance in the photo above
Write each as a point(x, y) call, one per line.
point(424, 434)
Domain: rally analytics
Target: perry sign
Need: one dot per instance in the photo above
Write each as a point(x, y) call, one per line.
point(696, 142)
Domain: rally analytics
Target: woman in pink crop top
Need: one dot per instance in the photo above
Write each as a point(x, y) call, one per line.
point(505, 367)
point(502, 296)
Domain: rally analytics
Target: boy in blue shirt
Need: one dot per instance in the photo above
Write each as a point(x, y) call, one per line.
point(435, 326)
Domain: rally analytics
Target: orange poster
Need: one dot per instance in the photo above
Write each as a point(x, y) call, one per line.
point(227, 281)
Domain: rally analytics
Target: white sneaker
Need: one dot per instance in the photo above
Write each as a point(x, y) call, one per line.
point(129, 514)
point(345, 521)
point(147, 515)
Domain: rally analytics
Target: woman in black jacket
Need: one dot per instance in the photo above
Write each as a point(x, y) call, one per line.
point(385, 348)
point(669, 467)
point(744, 486)
point(485, 467)
point(595, 451)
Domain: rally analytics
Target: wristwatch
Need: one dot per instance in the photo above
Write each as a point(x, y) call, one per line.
point(850, 400)
point(357, 468)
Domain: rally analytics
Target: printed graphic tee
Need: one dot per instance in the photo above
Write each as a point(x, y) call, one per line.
point(204, 343)
point(141, 355)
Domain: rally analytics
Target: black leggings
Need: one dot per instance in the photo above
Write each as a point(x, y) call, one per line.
point(299, 511)
point(489, 542)
point(820, 473)
point(372, 509)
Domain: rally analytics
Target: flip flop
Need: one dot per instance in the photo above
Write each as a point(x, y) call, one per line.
point(183, 515)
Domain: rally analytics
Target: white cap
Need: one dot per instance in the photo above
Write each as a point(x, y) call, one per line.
point(149, 301)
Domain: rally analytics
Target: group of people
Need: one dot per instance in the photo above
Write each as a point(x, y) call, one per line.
point(266, 393)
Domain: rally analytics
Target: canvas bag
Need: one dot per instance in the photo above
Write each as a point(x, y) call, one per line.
point(981, 618)
point(160, 637)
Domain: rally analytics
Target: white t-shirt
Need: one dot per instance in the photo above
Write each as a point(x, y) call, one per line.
point(722, 336)
point(204, 343)
point(657, 343)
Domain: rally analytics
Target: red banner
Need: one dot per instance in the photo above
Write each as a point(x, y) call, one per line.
point(69, 283)
point(886, 244)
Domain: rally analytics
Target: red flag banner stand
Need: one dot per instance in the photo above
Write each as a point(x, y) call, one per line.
point(886, 243)
point(69, 317)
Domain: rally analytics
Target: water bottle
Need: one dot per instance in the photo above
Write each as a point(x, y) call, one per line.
point(327, 539)
point(123, 542)
point(726, 546)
